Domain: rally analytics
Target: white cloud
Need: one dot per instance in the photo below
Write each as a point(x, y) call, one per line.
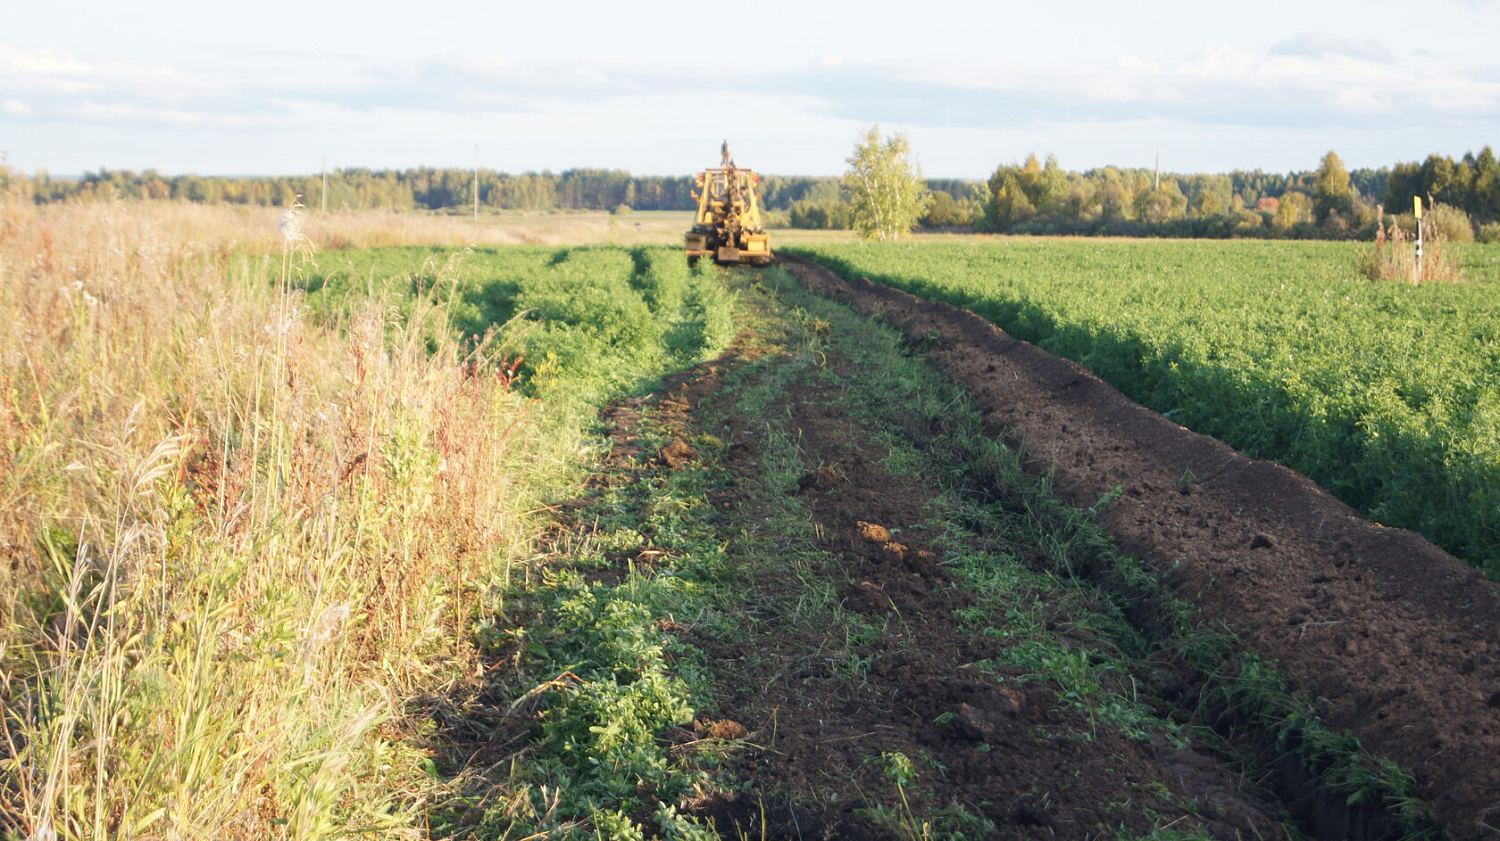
point(48, 62)
point(1212, 85)
point(1322, 44)
point(44, 62)
point(119, 112)
point(647, 113)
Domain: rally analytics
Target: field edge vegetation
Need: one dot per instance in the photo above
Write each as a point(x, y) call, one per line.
point(248, 543)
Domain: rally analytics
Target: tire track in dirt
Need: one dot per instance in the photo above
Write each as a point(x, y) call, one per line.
point(1008, 747)
point(1394, 639)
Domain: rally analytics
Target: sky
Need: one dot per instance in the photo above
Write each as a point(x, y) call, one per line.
point(653, 87)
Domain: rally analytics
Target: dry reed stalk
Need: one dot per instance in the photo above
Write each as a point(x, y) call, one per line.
point(235, 544)
point(1393, 256)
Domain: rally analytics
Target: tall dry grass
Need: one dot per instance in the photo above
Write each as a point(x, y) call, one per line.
point(1394, 254)
point(365, 229)
point(233, 545)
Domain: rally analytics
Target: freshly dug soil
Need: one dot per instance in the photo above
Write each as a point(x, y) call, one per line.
point(1393, 638)
point(1009, 749)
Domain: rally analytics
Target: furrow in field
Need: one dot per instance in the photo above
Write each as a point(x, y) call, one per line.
point(895, 629)
point(1395, 639)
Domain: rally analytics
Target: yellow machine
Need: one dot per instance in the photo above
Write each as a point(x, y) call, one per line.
point(728, 227)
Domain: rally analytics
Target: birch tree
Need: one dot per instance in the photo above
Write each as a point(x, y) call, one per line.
point(886, 192)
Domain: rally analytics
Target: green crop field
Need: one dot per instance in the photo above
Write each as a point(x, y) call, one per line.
point(590, 322)
point(1386, 394)
point(305, 541)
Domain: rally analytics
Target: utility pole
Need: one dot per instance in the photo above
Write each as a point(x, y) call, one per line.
point(476, 182)
point(325, 182)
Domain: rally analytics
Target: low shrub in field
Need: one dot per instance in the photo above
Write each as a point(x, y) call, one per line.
point(1489, 232)
point(1450, 223)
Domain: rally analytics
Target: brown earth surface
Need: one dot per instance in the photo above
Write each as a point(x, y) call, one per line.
point(1010, 749)
point(1393, 638)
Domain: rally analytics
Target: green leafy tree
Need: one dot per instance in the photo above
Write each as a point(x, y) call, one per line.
point(943, 211)
point(1161, 204)
point(1332, 192)
point(1486, 183)
point(1113, 202)
point(886, 192)
point(1291, 211)
point(1009, 204)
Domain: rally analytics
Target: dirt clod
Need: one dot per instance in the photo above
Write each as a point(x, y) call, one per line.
point(724, 728)
point(873, 533)
point(677, 454)
point(822, 479)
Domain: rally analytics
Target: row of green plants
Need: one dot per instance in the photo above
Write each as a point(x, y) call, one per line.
point(610, 680)
point(1383, 393)
point(579, 325)
point(889, 396)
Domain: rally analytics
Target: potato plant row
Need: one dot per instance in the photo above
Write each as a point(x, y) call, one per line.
point(1386, 394)
point(587, 323)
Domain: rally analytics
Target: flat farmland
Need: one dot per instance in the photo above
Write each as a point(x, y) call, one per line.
point(467, 537)
point(1386, 394)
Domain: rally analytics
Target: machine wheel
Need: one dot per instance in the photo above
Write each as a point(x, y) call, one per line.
point(692, 260)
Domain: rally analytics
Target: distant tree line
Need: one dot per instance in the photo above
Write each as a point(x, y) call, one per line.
point(424, 188)
point(1329, 202)
point(1035, 196)
point(358, 188)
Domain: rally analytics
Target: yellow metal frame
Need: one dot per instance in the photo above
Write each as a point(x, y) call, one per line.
point(714, 191)
point(728, 226)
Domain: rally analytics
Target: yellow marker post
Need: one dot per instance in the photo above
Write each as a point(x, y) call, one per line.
point(1417, 205)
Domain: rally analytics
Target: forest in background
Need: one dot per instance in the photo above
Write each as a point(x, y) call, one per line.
point(1036, 196)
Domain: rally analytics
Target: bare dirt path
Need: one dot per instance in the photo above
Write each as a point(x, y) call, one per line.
point(1396, 640)
point(999, 753)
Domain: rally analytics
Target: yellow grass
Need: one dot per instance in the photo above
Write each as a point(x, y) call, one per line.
point(652, 227)
point(234, 546)
point(254, 228)
point(1394, 257)
point(376, 228)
